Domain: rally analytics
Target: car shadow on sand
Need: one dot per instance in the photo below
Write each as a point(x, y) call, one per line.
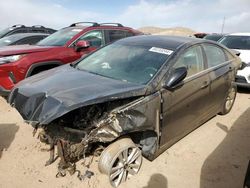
point(157, 181)
point(7, 135)
point(226, 166)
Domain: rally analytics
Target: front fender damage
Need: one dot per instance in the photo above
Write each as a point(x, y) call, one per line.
point(86, 131)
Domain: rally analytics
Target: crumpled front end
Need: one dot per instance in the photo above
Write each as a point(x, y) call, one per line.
point(87, 129)
point(35, 109)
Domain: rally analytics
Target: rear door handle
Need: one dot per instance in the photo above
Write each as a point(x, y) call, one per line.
point(205, 84)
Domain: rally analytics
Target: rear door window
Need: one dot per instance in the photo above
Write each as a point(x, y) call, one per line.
point(114, 35)
point(215, 55)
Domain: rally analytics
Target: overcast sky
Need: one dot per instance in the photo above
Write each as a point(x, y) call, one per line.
point(199, 15)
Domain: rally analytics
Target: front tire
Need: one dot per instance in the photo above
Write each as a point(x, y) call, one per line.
point(120, 160)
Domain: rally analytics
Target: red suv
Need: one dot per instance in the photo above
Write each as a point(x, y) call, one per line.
point(64, 46)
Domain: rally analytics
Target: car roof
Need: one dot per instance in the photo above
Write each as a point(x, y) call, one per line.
point(98, 26)
point(24, 26)
point(32, 28)
point(78, 27)
point(169, 42)
point(22, 35)
point(239, 34)
point(84, 25)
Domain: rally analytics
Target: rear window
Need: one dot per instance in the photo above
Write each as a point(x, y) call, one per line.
point(236, 42)
point(213, 37)
point(118, 34)
point(215, 55)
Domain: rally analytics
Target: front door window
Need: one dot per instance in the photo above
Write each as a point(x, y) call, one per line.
point(95, 38)
point(192, 59)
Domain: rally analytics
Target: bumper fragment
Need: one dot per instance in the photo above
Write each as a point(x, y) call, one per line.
point(241, 81)
point(245, 85)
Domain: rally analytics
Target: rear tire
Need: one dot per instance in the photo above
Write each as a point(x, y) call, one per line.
point(229, 101)
point(120, 160)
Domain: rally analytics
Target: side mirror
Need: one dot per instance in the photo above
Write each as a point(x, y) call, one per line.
point(177, 76)
point(82, 44)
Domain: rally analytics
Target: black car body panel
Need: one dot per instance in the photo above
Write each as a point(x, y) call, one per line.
point(43, 101)
point(156, 117)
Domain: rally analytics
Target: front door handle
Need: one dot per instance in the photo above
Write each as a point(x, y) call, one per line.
point(205, 85)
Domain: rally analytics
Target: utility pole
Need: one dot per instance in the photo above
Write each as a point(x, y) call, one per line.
point(223, 24)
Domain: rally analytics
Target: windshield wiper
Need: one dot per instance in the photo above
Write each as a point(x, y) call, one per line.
point(95, 73)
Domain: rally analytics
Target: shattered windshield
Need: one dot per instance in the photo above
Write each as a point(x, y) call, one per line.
point(59, 38)
point(129, 63)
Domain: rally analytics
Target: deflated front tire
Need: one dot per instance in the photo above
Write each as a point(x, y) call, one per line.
point(120, 160)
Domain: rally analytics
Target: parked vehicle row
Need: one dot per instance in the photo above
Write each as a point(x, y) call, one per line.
point(134, 97)
point(15, 29)
point(241, 43)
point(64, 46)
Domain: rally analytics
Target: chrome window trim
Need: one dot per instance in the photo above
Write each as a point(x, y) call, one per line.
point(187, 79)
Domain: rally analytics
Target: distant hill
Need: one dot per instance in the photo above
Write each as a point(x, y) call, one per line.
point(180, 31)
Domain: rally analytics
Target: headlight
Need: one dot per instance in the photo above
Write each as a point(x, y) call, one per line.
point(10, 59)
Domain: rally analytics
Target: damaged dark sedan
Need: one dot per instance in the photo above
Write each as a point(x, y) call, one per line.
point(133, 98)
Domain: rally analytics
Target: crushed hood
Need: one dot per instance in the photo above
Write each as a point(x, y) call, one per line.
point(22, 49)
point(51, 94)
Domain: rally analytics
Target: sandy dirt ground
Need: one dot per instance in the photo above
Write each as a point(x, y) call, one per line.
point(213, 156)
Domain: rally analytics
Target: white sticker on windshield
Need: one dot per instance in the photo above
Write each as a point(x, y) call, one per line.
point(161, 50)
